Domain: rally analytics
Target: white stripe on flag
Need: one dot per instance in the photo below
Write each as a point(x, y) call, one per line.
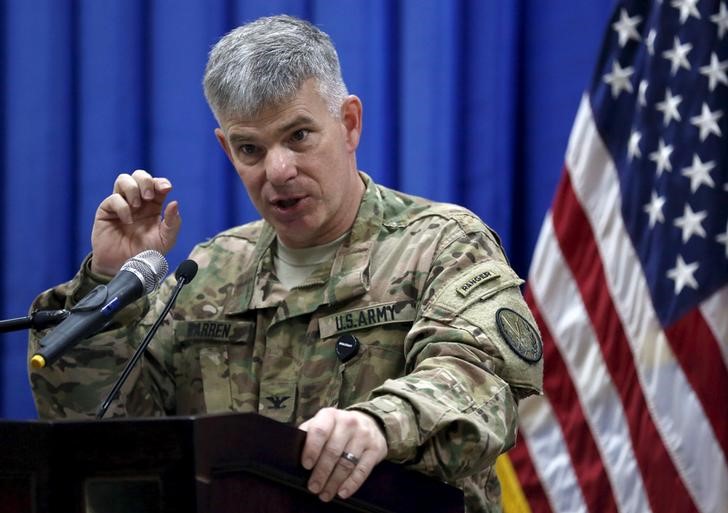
point(563, 311)
point(550, 457)
point(714, 313)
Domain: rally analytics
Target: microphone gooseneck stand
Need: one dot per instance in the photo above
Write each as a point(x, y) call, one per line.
point(185, 273)
point(38, 320)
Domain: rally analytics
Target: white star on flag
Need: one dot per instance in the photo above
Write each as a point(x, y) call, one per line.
point(668, 107)
point(626, 27)
point(699, 173)
point(642, 93)
point(707, 122)
point(661, 157)
point(678, 56)
point(691, 223)
point(687, 8)
point(618, 79)
point(721, 20)
point(654, 209)
point(715, 71)
point(723, 239)
point(633, 147)
point(682, 274)
point(650, 41)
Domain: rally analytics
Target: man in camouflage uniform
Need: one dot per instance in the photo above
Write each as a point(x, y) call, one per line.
point(411, 342)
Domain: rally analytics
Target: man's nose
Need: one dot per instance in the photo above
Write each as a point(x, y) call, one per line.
point(280, 165)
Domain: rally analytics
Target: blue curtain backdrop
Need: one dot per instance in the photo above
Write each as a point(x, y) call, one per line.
point(464, 101)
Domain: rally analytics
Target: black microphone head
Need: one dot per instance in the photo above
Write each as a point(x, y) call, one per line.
point(150, 266)
point(187, 270)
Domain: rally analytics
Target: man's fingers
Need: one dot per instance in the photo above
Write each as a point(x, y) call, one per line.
point(140, 186)
point(320, 480)
point(162, 186)
point(319, 428)
point(169, 228)
point(358, 474)
point(115, 207)
point(348, 462)
point(145, 184)
point(128, 188)
point(325, 442)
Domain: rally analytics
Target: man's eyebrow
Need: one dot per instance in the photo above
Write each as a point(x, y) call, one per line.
point(238, 138)
point(299, 120)
point(302, 119)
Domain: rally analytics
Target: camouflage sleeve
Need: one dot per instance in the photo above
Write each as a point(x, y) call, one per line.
point(75, 385)
point(472, 352)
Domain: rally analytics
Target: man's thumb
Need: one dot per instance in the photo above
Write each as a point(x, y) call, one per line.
point(170, 225)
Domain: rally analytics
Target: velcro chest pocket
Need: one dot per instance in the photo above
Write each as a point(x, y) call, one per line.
point(214, 364)
point(365, 346)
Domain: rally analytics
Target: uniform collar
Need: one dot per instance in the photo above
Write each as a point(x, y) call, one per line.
point(347, 278)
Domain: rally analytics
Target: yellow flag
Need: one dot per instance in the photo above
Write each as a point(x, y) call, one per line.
point(513, 499)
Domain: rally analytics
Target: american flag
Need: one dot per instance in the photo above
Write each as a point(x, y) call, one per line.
point(629, 280)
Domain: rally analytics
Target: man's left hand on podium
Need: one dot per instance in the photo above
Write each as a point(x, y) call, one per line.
point(342, 447)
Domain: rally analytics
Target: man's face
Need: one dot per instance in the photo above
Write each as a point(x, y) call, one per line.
point(298, 164)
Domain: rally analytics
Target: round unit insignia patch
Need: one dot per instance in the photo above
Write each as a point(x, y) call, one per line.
point(519, 334)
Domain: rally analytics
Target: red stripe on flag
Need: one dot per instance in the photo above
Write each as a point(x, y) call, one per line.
point(585, 456)
point(528, 478)
point(582, 256)
point(693, 343)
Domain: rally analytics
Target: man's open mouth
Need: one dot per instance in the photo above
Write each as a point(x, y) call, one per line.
point(286, 203)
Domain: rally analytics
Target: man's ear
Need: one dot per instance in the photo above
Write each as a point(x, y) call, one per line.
point(220, 136)
point(351, 118)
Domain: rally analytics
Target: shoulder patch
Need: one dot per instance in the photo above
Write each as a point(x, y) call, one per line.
point(467, 285)
point(520, 336)
point(478, 283)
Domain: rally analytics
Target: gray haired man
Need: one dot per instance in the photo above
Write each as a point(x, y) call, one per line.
point(384, 325)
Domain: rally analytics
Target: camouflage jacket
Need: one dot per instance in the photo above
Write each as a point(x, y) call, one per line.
point(446, 344)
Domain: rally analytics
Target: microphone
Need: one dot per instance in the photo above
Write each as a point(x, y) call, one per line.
point(139, 276)
point(184, 274)
point(186, 271)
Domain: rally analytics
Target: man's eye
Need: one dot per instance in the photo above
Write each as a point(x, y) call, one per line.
point(299, 135)
point(248, 149)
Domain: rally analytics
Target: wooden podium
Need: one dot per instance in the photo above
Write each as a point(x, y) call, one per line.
point(237, 463)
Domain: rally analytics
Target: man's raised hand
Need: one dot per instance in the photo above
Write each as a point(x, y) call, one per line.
point(130, 220)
